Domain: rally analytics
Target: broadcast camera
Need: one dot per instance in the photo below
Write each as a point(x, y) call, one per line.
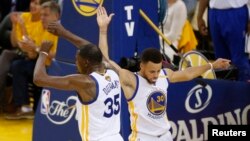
point(132, 64)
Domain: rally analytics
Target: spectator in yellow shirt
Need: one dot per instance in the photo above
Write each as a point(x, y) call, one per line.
point(22, 69)
point(23, 26)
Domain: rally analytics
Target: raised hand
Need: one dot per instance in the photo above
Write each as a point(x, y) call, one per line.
point(56, 28)
point(27, 44)
point(103, 19)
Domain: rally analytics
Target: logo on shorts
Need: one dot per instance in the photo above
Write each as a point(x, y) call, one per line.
point(156, 103)
point(87, 7)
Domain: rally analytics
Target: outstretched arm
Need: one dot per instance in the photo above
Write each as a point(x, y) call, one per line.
point(127, 78)
point(57, 29)
point(103, 21)
point(193, 72)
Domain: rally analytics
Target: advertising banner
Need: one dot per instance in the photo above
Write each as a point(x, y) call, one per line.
point(192, 106)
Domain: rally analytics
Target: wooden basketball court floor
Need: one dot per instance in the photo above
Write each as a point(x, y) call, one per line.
point(15, 130)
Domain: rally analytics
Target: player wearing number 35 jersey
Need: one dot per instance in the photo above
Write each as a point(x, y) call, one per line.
point(98, 90)
point(100, 118)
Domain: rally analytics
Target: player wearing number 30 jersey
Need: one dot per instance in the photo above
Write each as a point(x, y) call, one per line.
point(100, 118)
point(147, 108)
point(147, 90)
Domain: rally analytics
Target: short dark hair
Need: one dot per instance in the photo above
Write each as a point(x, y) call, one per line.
point(151, 54)
point(92, 53)
point(53, 6)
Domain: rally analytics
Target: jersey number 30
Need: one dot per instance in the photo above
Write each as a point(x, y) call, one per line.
point(113, 106)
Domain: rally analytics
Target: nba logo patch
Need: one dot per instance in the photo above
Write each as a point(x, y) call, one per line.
point(45, 99)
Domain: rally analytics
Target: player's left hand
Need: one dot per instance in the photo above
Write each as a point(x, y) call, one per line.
point(56, 28)
point(221, 63)
point(103, 19)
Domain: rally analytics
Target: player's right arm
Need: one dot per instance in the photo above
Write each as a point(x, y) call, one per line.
point(57, 29)
point(41, 78)
point(82, 84)
point(127, 78)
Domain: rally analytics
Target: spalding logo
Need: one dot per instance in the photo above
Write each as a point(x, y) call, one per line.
point(87, 7)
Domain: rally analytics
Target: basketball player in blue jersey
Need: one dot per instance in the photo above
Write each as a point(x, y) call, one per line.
point(98, 89)
point(146, 90)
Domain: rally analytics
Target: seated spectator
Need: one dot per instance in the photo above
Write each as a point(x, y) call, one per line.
point(23, 27)
point(22, 69)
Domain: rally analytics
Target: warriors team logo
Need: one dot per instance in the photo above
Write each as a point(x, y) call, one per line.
point(156, 103)
point(87, 7)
